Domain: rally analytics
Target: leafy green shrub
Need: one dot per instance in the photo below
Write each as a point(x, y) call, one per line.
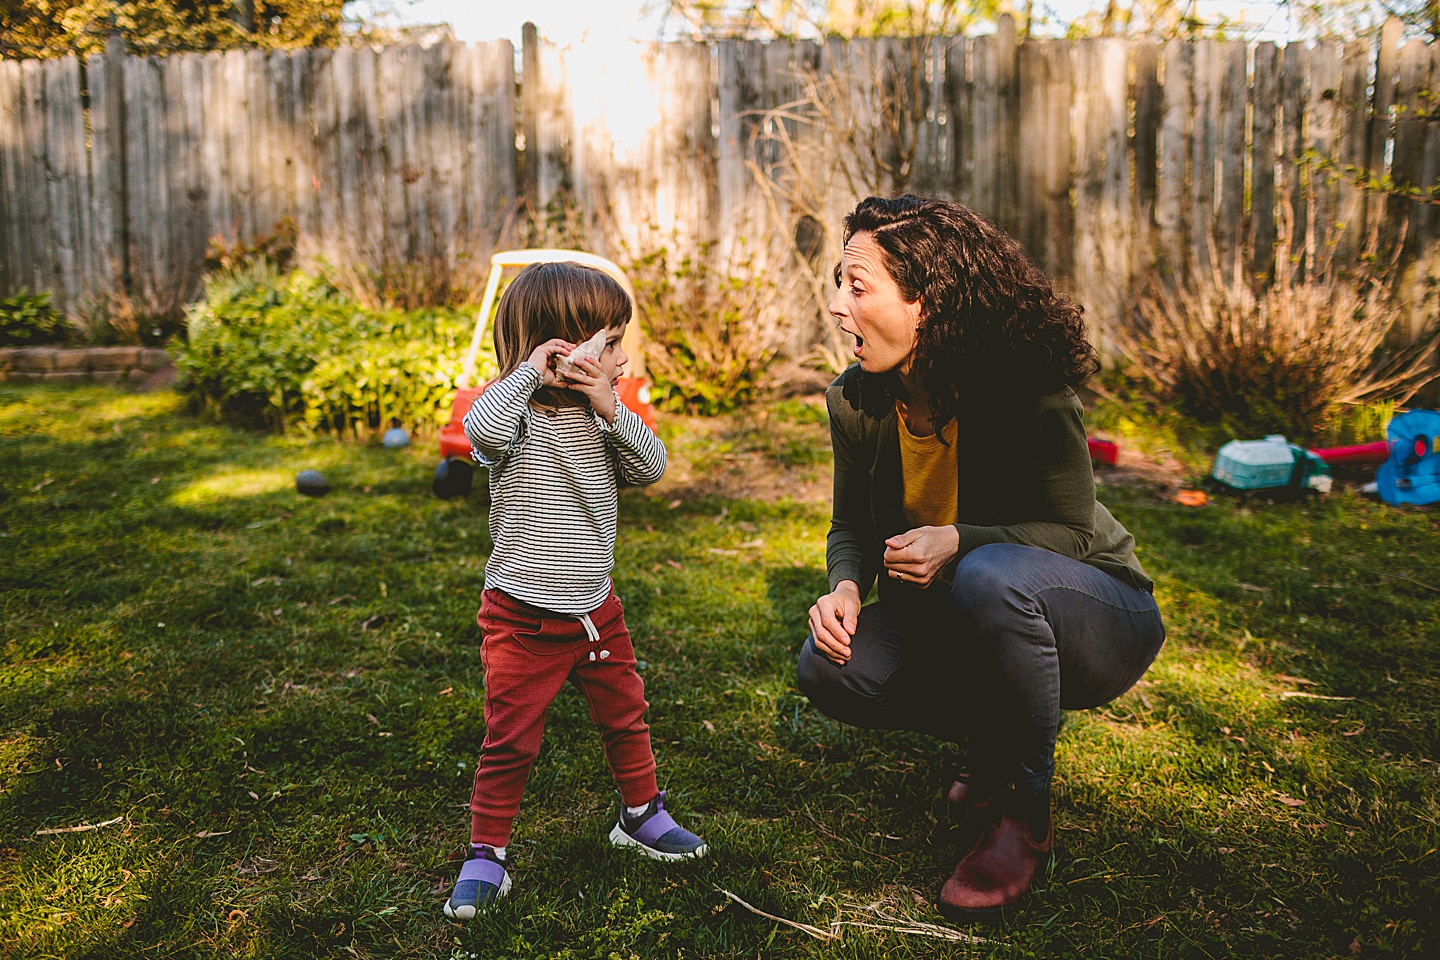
point(28, 320)
point(288, 350)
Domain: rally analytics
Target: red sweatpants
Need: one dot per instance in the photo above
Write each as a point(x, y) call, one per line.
point(528, 656)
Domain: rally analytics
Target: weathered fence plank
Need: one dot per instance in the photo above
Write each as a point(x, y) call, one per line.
point(1059, 158)
point(1033, 204)
point(1007, 114)
point(59, 98)
point(1264, 154)
point(1410, 99)
point(1230, 199)
point(1171, 201)
point(10, 166)
point(985, 120)
point(1145, 65)
point(1323, 110)
point(1204, 151)
point(1427, 223)
point(32, 146)
point(959, 131)
point(1382, 127)
point(1353, 152)
point(1294, 176)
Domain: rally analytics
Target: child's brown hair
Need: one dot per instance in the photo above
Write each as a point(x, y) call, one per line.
point(565, 299)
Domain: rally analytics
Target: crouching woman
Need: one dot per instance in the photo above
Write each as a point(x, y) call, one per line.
point(963, 482)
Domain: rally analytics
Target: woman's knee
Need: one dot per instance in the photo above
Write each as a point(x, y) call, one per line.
point(988, 583)
point(843, 692)
point(814, 674)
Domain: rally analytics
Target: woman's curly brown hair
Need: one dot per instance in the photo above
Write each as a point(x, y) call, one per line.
point(991, 323)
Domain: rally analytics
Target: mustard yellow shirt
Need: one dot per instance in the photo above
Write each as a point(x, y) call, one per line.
point(929, 476)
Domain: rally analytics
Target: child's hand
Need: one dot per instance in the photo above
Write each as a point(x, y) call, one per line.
point(593, 384)
point(542, 357)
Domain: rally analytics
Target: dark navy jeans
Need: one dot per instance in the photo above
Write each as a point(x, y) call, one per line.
point(1023, 634)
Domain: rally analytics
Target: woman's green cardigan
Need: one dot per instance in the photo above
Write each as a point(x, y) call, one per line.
point(1024, 477)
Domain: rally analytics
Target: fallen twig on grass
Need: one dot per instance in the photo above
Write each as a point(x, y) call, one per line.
point(815, 932)
point(887, 922)
point(82, 828)
point(1396, 576)
point(1288, 694)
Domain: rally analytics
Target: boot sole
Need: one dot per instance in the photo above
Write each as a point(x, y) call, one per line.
point(966, 915)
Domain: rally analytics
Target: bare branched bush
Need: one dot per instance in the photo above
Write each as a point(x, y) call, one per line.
point(448, 272)
point(854, 131)
point(145, 316)
point(391, 283)
point(1286, 357)
point(713, 323)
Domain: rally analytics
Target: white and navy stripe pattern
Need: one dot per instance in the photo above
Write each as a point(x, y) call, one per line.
point(553, 501)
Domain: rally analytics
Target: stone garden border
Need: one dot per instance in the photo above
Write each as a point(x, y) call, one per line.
point(145, 367)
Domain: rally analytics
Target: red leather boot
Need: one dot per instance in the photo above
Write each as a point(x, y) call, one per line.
point(1004, 863)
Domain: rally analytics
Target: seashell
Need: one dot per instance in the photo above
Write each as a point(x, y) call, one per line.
point(590, 349)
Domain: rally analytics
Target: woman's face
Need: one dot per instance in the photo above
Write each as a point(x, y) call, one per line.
point(868, 306)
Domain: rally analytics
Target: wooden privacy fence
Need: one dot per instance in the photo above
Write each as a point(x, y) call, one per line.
point(114, 176)
point(1106, 158)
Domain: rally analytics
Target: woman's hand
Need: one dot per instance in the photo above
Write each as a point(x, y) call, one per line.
point(833, 619)
point(917, 556)
point(592, 383)
point(544, 355)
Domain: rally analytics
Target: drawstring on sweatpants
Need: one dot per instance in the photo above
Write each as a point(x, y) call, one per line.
point(593, 634)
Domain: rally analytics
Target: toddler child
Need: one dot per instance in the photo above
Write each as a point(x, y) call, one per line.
point(556, 446)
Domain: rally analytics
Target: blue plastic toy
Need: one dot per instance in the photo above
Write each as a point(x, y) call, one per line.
point(1412, 473)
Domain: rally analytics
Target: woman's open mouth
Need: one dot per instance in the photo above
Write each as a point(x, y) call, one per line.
point(859, 342)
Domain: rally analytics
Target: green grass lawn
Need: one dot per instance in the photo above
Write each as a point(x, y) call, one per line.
point(280, 700)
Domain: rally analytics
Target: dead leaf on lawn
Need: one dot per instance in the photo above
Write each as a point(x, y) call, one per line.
point(1290, 801)
point(1192, 498)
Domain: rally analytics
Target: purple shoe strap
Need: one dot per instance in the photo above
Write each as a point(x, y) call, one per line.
point(657, 826)
point(484, 870)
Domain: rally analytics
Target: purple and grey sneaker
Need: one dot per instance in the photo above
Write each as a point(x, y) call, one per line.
point(483, 880)
point(656, 834)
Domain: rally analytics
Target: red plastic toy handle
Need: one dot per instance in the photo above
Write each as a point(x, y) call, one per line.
point(1377, 452)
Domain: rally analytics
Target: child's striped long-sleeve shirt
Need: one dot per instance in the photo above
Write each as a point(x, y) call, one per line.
point(553, 478)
